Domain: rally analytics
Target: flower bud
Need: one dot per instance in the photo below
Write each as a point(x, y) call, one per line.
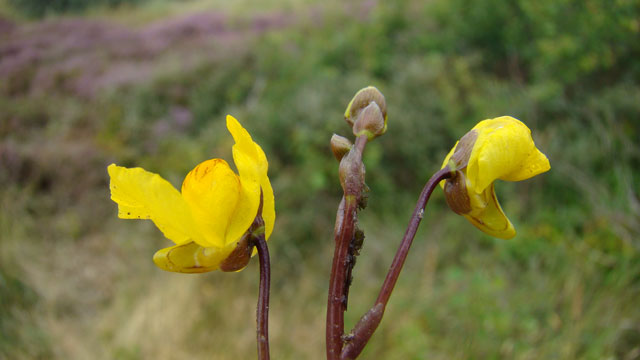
point(361, 100)
point(370, 122)
point(340, 145)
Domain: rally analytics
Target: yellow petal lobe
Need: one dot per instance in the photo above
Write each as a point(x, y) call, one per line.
point(212, 191)
point(245, 154)
point(536, 163)
point(503, 147)
point(144, 195)
point(268, 206)
point(268, 202)
point(252, 166)
point(189, 258)
point(245, 212)
point(490, 218)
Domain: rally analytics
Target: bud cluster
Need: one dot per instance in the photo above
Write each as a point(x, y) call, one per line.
point(367, 113)
point(367, 116)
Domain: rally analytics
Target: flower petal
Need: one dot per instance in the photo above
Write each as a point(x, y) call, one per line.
point(268, 206)
point(252, 167)
point(248, 160)
point(536, 163)
point(189, 258)
point(212, 191)
point(502, 147)
point(245, 212)
point(268, 202)
point(488, 216)
point(144, 195)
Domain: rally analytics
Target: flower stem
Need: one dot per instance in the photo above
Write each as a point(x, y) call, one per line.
point(344, 232)
point(370, 321)
point(336, 303)
point(410, 233)
point(262, 312)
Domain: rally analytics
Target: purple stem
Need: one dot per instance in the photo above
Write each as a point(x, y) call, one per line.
point(262, 312)
point(370, 321)
point(336, 304)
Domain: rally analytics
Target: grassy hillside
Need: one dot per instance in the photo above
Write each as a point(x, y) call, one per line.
point(149, 84)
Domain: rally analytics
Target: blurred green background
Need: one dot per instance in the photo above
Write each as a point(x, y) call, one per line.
point(148, 83)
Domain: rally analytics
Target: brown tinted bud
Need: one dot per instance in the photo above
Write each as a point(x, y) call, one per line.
point(340, 145)
point(240, 256)
point(370, 122)
point(351, 172)
point(361, 100)
point(455, 192)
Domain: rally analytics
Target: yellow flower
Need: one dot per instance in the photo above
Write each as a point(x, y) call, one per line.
point(208, 219)
point(500, 148)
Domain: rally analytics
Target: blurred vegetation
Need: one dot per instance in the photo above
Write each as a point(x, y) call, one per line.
point(77, 94)
point(40, 8)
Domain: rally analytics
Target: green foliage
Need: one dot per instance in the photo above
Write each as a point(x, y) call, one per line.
point(17, 303)
point(567, 42)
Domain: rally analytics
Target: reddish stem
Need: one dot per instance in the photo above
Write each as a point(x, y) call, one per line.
point(336, 302)
point(370, 321)
point(262, 312)
point(410, 233)
point(345, 228)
